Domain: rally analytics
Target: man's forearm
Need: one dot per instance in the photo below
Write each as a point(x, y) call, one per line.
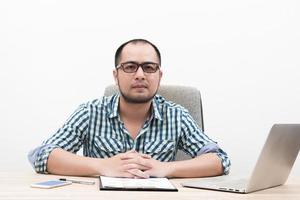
point(204, 165)
point(66, 163)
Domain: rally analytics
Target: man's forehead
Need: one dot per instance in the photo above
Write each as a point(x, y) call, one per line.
point(138, 47)
point(139, 51)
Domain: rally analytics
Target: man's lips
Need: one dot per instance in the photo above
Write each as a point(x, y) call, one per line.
point(139, 86)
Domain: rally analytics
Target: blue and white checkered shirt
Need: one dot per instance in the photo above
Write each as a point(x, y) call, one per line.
point(97, 127)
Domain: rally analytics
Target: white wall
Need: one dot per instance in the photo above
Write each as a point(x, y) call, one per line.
point(242, 55)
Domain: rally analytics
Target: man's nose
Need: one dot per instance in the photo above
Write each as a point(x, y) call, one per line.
point(139, 73)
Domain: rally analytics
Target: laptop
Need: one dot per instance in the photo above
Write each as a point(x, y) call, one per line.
point(272, 168)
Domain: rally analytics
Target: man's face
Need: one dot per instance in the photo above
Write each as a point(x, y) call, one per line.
point(139, 86)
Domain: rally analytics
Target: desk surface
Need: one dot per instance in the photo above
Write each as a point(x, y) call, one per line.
point(17, 186)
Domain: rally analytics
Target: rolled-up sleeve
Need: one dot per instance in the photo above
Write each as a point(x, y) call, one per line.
point(194, 142)
point(69, 137)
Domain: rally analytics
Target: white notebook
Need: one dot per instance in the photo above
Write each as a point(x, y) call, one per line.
point(150, 184)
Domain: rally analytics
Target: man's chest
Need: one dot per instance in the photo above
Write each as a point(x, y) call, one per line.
point(155, 139)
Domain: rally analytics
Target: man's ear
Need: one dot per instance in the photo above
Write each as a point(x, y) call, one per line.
point(160, 74)
point(115, 74)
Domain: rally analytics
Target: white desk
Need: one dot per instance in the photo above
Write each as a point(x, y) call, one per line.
point(17, 186)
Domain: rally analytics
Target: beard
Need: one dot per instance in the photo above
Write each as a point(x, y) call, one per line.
point(137, 99)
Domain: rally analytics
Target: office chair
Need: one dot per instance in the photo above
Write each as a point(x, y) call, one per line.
point(188, 97)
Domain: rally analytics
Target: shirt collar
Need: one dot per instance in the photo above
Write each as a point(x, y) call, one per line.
point(155, 109)
point(114, 108)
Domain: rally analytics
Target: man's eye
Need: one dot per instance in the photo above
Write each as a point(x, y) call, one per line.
point(149, 67)
point(131, 66)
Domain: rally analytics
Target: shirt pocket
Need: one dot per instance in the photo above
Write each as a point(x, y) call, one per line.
point(108, 147)
point(162, 150)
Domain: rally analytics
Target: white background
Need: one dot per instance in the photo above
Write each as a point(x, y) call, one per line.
point(242, 55)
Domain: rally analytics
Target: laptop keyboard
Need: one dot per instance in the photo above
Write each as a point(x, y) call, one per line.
point(238, 183)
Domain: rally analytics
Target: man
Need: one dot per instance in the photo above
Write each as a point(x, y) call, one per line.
point(133, 134)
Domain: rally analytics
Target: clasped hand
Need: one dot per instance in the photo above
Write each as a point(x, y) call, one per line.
point(132, 164)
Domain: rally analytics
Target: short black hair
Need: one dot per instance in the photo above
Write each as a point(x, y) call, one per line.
point(135, 41)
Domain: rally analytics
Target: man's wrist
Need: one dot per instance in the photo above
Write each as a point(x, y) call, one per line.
point(169, 169)
point(97, 165)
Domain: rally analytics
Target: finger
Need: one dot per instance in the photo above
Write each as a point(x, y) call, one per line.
point(138, 160)
point(138, 173)
point(135, 166)
point(127, 175)
point(150, 173)
point(145, 162)
point(129, 154)
point(134, 154)
point(147, 156)
point(130, 160)
point(131, 151)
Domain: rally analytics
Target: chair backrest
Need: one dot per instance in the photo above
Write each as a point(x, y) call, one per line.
point(188, 97)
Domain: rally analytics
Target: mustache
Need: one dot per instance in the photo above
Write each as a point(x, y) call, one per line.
point(139, 84)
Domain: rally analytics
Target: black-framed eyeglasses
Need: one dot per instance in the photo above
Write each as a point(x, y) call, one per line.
point(132, 67)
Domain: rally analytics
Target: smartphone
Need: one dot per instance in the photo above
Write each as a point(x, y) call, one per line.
point(50, 184)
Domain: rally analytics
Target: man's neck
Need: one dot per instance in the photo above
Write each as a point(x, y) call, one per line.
point(134, 111)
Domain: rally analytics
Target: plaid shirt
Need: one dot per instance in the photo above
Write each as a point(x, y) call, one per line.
point(97, 127)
